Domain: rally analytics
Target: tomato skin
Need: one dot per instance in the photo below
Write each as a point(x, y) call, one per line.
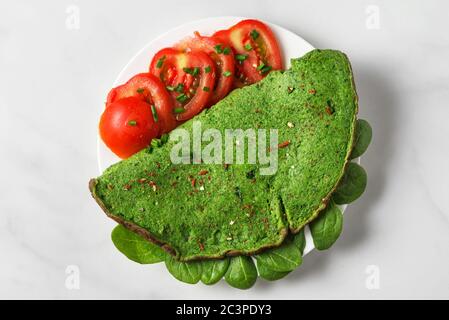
point(170, 66)
point(265, 49)
point(224, 62)
point(150, 89)
point(127, 126)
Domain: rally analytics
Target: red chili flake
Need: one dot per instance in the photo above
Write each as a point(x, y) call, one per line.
point(226, 166)
point(173, 169)
point(151, 174)
point(201, 245)
point(203, 172)
point(209, 178)
point(174, 184)
point(257, 110)
point(283, 144)
point(312, 91)
point(142, 180)
point(192, 181)
point(126, 187)
point(329, 110)
point(158, 165)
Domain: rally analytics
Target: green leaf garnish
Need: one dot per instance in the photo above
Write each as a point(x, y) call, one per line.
point(242, 272)
point(135, 247)
point(132, 123)
point(287, 257)
point(214, 270)
point(218, 48)
point(352, 185)
point(182, 97)
point(154, 112)
point(179, 110)
point(207, 69)
point(188, 272)
point(363, 136)
point(227, 73)
point(327, 227)
point(241, 57)
point(248, 47)
point(160, 62)
point(226, 51)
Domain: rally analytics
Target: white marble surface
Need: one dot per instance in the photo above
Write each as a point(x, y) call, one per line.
point(53, 81)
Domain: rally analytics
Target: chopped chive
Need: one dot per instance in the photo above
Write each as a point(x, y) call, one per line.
point(170, 88)
point(154, 112)
point(207, 69)
point(218, 48)
point(227, 73)
point(195, 71)
point(261, 66)
point(226, 51)
point(182, 97)
point(132, 123)
point(179, 110)
point(206, 89)
point(187, 70)
point(254, 34)
point(179, 88)
point(248, 47)
point(164, 138)
point(265, 69)
point(160, 62)
point(155, 143)
point(241, 57)
point(140, 90)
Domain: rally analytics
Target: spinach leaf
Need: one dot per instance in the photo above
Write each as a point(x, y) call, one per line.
point(268, 274)
point(352, 185)
point(300, 241)
point(363, 136)
point(214, 270)
point(287, 257)
point(189, 272)
point(242, 272)
point(327, 227)
point(135, 247)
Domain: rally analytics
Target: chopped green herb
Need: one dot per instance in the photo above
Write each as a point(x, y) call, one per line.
point(241, 57)
point(195, 71)
point(132, 123)
point(179, 88)
point(164, 138)
point(254, 34)
point(182, 97)
point(155, 143)
point(227, 73)
point(160, 62)
point(248, 47)
point(170, 88)
point(265, 69)
point(207, 69)
point(226, 51)
point(179, 110)
point(140, 90)
point(206, 89)
point(218, 48)
point(262, 65)
point(188, 70)
point(154, 112)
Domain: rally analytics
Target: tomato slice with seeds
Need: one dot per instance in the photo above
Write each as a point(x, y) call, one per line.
point(127, 126)
point(150, 89)
point(256, 50)
point(223, 58)
point(188, 76)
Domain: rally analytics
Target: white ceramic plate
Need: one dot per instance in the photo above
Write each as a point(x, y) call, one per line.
point(292, 46)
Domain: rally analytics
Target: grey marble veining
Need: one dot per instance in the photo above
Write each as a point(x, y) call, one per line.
point(54, 79)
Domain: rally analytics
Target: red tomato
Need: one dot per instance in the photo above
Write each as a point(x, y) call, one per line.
point(189, 76)
point(127, 126)
point(223, 57)
point(150, 89)
point(255, 47)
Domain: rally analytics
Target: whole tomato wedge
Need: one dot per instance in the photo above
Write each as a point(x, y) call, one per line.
point(256, 50)
point(188, 76)
point(223, 58)
point(127, 126)
point(150, 89)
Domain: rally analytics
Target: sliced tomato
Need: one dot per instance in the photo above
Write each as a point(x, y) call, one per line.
point(223, 57)
point(127, 126)
point(189, 77)
point(150, 89)
point(255, 48)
